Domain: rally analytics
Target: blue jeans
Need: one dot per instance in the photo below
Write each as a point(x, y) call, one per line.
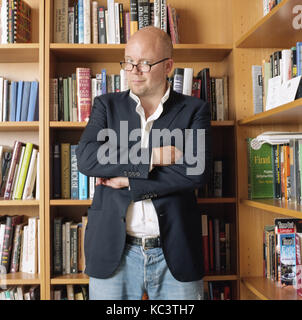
point(143, 271)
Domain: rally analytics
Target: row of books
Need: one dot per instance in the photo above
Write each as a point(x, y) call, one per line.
point(216, 183)
point(15, 22)
point(283, 66)
point(216, 239)
point(70, 292)
point(268, 5)
point(68, 246)
point(217, 290)
point(21, 293)
point(19, 100)
point(274, 171)
point(19, 244)
point(282, 252)
point(19, 171)
point(211, 89)
point(68, 182)
point(86, 22)
point(71, 97)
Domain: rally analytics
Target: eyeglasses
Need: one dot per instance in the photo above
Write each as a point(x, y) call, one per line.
point(141, 67)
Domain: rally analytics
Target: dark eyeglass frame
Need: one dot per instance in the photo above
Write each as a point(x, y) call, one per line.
point(142, 64)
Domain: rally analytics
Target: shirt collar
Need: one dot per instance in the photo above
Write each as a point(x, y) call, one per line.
point(159, 109)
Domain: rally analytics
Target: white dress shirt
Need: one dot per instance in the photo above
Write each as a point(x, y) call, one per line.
point(141, 217)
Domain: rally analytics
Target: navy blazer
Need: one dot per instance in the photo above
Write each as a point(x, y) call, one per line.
point(169, 187)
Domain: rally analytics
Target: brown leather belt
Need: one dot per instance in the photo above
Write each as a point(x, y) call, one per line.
point(146, 243)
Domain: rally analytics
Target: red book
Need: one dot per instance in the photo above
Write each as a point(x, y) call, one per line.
point(83, 93)
point(196, 89)
point(211, 244)
point(205, 242)
point(171, 24)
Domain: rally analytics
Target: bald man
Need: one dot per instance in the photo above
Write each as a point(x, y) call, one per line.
point(144, 225)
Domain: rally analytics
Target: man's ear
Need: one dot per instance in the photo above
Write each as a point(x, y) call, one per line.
point(169, 65)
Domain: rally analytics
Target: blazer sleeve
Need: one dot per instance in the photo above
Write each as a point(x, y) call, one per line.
point(88, 159)
point(165, 180)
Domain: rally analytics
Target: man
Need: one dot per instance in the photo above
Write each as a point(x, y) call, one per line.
point(144, 226)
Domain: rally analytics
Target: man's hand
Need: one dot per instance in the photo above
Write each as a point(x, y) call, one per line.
point(115, 183)
point(165, 156)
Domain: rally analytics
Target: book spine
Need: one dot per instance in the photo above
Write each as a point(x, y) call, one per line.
point(81, 21)
point(83, 93)
point(71, 25)
point(122, 23)
point(76, 23)
point(83, 186)
point(163, 15)
point(216, 245)
point(117, 36)
point(33, 104)
point(102, 25)
point(65, 100)
point(94, 22)
point(57, 246)
point(205, 242)
point(111, 22)
point(65, 170)
point(157, 13)
point(87, 23)
point(74, 173)
point(133, 16)
point(67, 250)
point(57, 172)
point(6, 248)
point(61, 21)
point(32, 245)
point(23, 171)
point(27, 193)
point(70, 93)
point(178, 80)
point(74, 248)
point(219, 99)
point(187, 81)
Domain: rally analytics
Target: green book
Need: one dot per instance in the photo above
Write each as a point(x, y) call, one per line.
point(260, 171)
point(23, 171)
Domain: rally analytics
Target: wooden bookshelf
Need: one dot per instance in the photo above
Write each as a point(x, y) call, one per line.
point(266, 289)
point(274, 30)
point(26, 62)
point(256, 37)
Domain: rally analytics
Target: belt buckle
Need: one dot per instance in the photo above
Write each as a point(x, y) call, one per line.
point(144, 241)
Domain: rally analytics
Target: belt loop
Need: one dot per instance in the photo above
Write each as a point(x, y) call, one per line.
point(144, 242)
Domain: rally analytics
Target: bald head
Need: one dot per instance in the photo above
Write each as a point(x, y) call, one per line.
point(159, 39)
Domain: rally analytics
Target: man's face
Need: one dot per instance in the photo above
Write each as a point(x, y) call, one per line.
point(145, 84)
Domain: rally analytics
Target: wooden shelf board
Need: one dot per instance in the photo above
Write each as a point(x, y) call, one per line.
point(19, 126)
point(11, 203)
point(19, 278)
point(221, 277)
point(275, 30)
point(281, 207)
point(289, 113)
point(226, 123)
point(70, 202)
point(266, 289)
point(19, 52)
point(216, 200)
point(79, 278)
point(115, 52)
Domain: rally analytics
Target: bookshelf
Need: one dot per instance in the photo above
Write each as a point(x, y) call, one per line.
point(26, 62)
point(255, 38)
point(205, 47)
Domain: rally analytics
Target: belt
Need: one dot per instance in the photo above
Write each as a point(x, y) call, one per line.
point(146, 243)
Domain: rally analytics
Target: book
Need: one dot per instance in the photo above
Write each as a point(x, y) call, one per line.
point(178, 80)
point(33, 104)
point(257, 88)
point(61, 21)
point(101, 25)
point(187, 81)
point(260, 171)
point(25, 100)
point(133, 17)
point(205, 242)
point(83, 93)
point(65, 170)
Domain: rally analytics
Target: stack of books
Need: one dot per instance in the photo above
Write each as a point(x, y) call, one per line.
point(86, 22)
point(21, 293)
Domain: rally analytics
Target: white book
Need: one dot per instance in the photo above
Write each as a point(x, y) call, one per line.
point(124, 81)
point(32, 245)
point(107, 25)
point(24, 261)
point(285, 66)
point(71, 24)
point(111, 22)
point(18, 172)
point(1, 97)
point(5, 113)
point(70, 99)
point(93, 89)
point(38, 177)
point(94, 22)
point(98, 77)
point(39, 246)
point(4, 21)
point(20, 292)
point(2, 231)
point(91, 187)
point(188, 81)
point(87, 23)
point(31, 174)
point(157, 13)
point(117, 23)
